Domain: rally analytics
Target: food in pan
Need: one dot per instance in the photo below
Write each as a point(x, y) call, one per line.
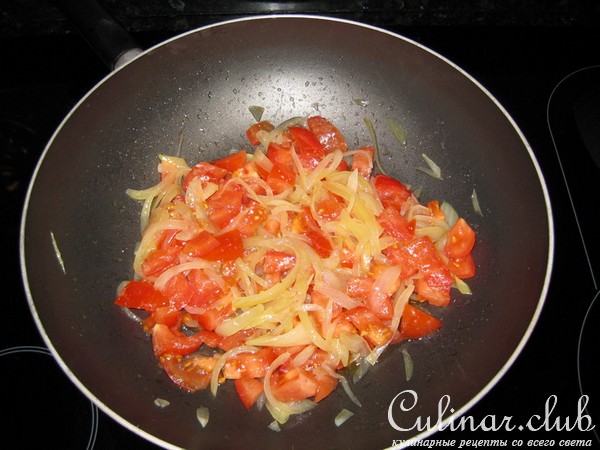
point(281, 267)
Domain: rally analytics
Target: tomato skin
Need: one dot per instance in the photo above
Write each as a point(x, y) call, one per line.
point(308, 148)
point(461, 239)
point(232, 162)
point(327, 134)
point(141, 295)
point(252, 131)
point(390, 191)
point(249, 390)
point(417, 323)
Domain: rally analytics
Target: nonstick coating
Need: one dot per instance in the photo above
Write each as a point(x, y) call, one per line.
point(79, 227)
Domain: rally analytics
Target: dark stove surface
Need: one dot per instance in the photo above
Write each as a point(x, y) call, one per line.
point(546, 76)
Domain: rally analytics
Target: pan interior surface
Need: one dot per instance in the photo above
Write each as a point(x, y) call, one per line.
point(191, 96)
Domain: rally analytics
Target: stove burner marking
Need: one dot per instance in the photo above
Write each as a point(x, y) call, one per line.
point(44, 351)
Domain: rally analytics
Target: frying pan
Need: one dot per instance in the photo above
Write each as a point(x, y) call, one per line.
point(191, 95)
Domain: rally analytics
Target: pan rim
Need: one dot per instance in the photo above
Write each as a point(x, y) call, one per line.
point(312, 17)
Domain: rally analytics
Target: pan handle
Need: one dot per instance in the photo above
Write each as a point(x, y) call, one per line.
point(113, 44)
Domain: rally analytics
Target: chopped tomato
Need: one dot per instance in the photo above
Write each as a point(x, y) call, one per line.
point(166, 341)
point(232, 162)
point(249, 390)
point(395, 224)
point(206, 172)
point(164, 256)
point(201, 245)
point(190, 373)
point(166, 315)
point(461, 239)
point(252, 132)
point(435, 288)
point(225, 204)
point(417, 323)
point(211, 318)
point(280, 178)
point(359, 287)
point(462, 267)
point(231, 247)
point(293, 385)
point(308, 148)
point(179, 290)
point(326, 384)
point(390, 191)
point(249, 365)
point(323, 301)
point(141, 295)
point(277, 262)
point(381, 304)
point(304, 223)
point(204, 288)
point(327, 133)
point(369, 325)
point(252, 215)
point(280, 154)
point(329, 207)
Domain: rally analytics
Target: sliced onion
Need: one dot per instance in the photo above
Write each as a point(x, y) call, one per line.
point(256, 111)
point(475, 202)
point(161, 402)
point(397, 131)
point(344, 382)
point(408, 364)
point(339, 297)
point(432, 168)
point(274, 426)
point(202, 414)
point(342, 417)
point(164, 277)
point(450, 213)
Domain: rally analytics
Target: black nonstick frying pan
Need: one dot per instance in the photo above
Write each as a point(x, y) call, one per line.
point(192, 95)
